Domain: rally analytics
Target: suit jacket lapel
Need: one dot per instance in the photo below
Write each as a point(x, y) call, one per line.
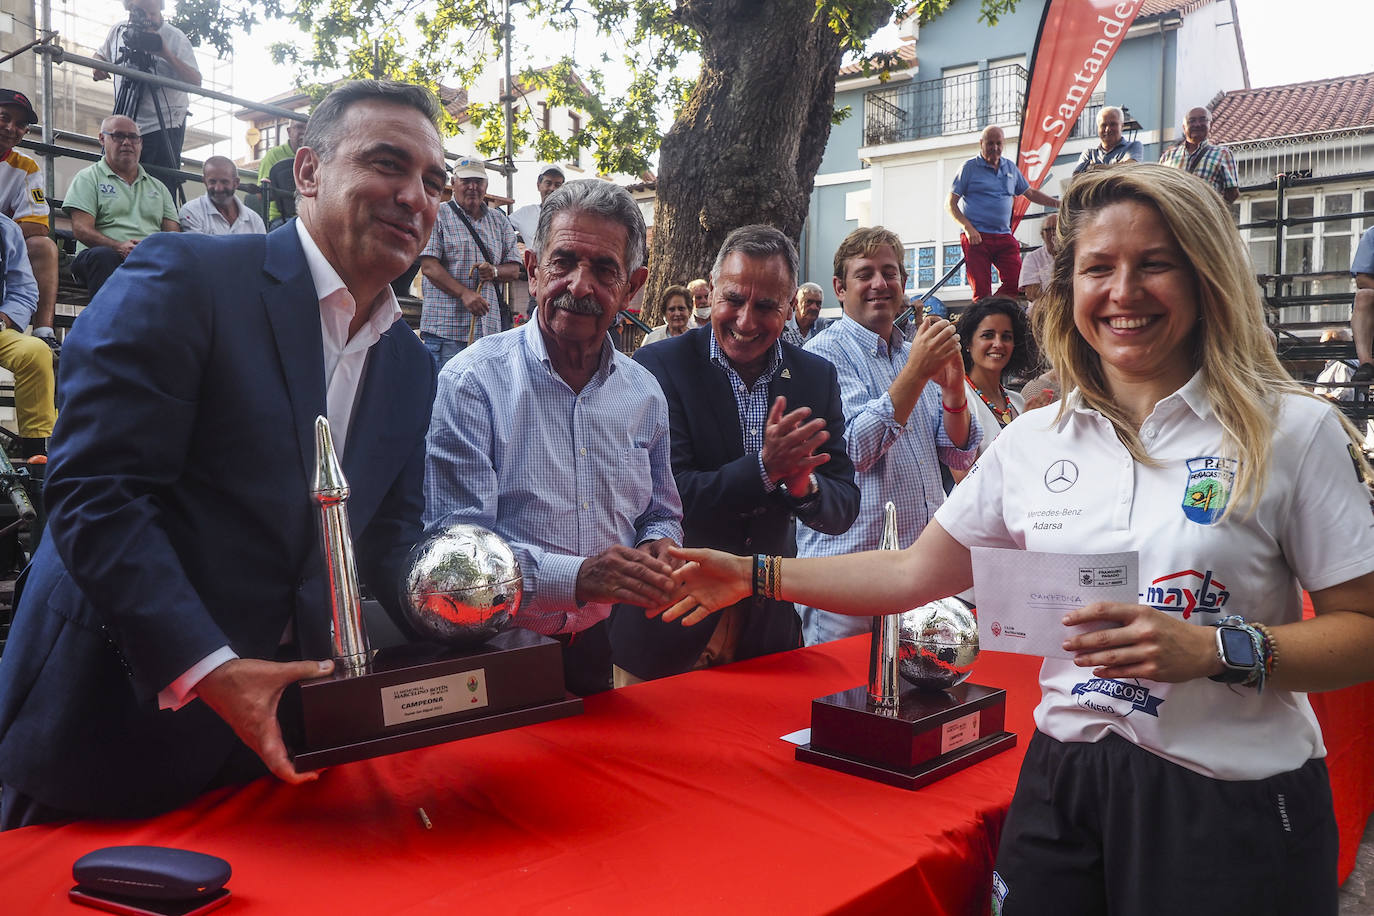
point(781, 385)
point(294, 315)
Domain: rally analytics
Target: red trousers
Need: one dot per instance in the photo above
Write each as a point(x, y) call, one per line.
point(997, 248)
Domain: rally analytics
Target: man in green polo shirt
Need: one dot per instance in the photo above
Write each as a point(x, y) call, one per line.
point(115, 203)
point(295, 131)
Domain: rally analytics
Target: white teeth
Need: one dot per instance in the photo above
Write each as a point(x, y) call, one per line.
point(1126, 324)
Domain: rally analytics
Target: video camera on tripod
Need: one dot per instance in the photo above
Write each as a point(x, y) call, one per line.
point(140, 41)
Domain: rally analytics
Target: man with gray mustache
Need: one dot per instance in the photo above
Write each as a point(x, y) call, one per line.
point(560, 444)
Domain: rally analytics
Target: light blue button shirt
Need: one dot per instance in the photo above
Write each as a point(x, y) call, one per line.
point(561, 475)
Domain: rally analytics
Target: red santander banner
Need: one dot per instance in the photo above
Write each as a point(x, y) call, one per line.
point(1078, 38)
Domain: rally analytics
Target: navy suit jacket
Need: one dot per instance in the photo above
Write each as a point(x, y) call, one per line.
point(180, 516)
point(724, 503)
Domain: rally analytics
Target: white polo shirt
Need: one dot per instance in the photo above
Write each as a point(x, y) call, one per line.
point(1071, 487)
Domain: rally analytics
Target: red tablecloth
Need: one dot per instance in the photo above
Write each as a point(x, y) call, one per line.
point(670, 797)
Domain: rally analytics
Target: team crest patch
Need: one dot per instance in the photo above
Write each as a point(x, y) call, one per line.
point(1208, 489)
point(36, 195)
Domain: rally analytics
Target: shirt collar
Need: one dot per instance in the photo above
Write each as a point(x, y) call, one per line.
point(326, 280)
point(105, 167)
point(534, 342)
point(718, 357)
point(868, 340)
point(1192, 395)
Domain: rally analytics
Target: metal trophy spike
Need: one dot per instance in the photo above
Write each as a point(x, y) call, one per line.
point(884, 686)
point(352, 655)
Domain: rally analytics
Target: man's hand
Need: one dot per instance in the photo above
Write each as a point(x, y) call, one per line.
point(950, 376)
point(126, 248)
point(244, 693)
point(625, 575)
point(791, 445)
point(474, 303)
point(663, 549)
point(974, 236)
point(486, 271)
point(934, 351)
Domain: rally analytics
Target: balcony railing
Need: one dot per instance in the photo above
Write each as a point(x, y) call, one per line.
point(951, 105)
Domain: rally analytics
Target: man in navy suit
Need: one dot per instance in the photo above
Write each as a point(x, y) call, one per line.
point(757, 442)
point(181, 582)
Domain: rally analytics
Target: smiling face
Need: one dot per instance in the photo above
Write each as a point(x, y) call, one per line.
point(675, 313)
point(14, 123)
point(548, 183)
point(580, 279)
point(872, 291)
point(1109, 129)
point(1197, 125)
point(992, 345)
point(370, 207)
point(1135, 296)
point(471, 194)
point(750, 298)
point(221, 181)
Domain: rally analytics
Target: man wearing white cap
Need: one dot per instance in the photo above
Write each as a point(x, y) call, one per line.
point(470, 252)
point(526, 218)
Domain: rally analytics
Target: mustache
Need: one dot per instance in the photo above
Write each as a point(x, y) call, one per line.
point(587, 305)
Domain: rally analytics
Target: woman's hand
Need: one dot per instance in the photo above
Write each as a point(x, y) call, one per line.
point(1141, 642)
point(1046, 396)
point(708, 580)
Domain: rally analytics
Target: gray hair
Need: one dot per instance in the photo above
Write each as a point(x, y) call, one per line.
point(809, 287)
point(323, 131)
point(757, 241)
point(599, 198)
point(1121, 115)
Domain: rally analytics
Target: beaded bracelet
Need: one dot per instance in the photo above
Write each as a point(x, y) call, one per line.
point(1271, 649)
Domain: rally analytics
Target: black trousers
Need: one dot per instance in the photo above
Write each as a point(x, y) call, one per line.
point(586, 660)
point(93, 267)
point(163, 147)
point(1111, 828)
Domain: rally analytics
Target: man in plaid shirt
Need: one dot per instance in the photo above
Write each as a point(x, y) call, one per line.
point(460, 283)
point(1208, 161)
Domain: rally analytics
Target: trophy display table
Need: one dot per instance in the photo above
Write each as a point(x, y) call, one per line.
point(674, 796)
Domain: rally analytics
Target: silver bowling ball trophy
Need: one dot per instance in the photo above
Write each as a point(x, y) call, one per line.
point(463, 586)
point(937, 644)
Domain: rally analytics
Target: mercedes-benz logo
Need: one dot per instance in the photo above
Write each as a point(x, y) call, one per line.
point(1061, 475)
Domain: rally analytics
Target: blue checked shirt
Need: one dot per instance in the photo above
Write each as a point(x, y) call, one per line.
point(561, 476)
point(891, 461)
point(752, 404)
point(451, 243)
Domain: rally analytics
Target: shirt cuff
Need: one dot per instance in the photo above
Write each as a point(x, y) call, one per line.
point(557, 583)
point(768, 485)
point(183, 690)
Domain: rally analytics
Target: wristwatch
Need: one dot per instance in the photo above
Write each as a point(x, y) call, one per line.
point(812, 484)
point(1236, 649)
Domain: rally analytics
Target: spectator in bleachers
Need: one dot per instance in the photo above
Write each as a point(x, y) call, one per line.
point(1362, 312)
point(27, 357)
point(161, 112)
point(294, 132)
point(906, 410)
point(1038, 267)
point(1337, 370)
point(1112, 146)
point(22, 200)
point(675, 315)
point(1211, 162)
point(114, 204)
point(218, 211)
point(987, 185)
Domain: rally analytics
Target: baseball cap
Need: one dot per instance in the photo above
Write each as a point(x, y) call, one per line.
point(10, 97)
point(547, 167)
point(469, 167)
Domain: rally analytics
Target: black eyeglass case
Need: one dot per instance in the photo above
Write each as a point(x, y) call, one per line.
point(150, 872)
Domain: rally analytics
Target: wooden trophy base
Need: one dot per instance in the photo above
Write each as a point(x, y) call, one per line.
point(930, 736)
point(418, 695)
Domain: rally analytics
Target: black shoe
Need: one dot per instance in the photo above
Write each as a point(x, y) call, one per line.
point(1363, 375)
point(28, 448)
point(52, 343)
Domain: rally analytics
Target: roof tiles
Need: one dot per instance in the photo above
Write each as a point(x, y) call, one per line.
point(1297, 108)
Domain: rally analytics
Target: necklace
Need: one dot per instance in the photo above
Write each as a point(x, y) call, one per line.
point(1006, 414)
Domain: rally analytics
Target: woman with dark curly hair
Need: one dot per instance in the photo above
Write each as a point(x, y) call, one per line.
point(996, 341)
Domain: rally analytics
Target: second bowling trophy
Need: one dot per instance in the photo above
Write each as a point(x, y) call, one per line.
point(913, 734)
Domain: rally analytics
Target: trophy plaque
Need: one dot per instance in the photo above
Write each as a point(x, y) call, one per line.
point(911, 735)
point(461, 589)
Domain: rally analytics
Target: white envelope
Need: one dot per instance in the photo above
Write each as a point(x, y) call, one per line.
point(1023, 594)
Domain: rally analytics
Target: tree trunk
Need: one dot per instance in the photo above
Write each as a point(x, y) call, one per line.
point(746, 146)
